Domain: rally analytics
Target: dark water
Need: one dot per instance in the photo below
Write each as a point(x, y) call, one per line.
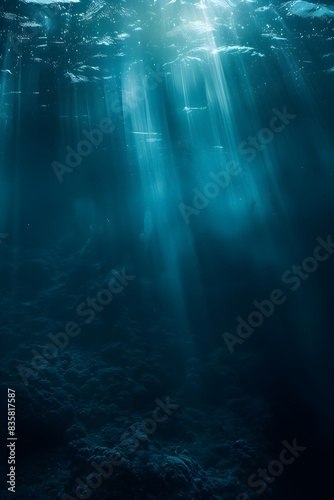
point(166, 249)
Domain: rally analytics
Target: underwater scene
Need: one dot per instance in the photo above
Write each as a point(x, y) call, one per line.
point(166, 250)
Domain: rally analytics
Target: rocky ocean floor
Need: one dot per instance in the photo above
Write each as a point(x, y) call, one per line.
point(177, 426)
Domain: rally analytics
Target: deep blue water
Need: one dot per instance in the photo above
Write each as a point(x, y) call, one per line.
point(166, 229)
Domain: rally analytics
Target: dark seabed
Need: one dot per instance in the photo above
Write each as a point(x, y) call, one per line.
point(166, 249)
